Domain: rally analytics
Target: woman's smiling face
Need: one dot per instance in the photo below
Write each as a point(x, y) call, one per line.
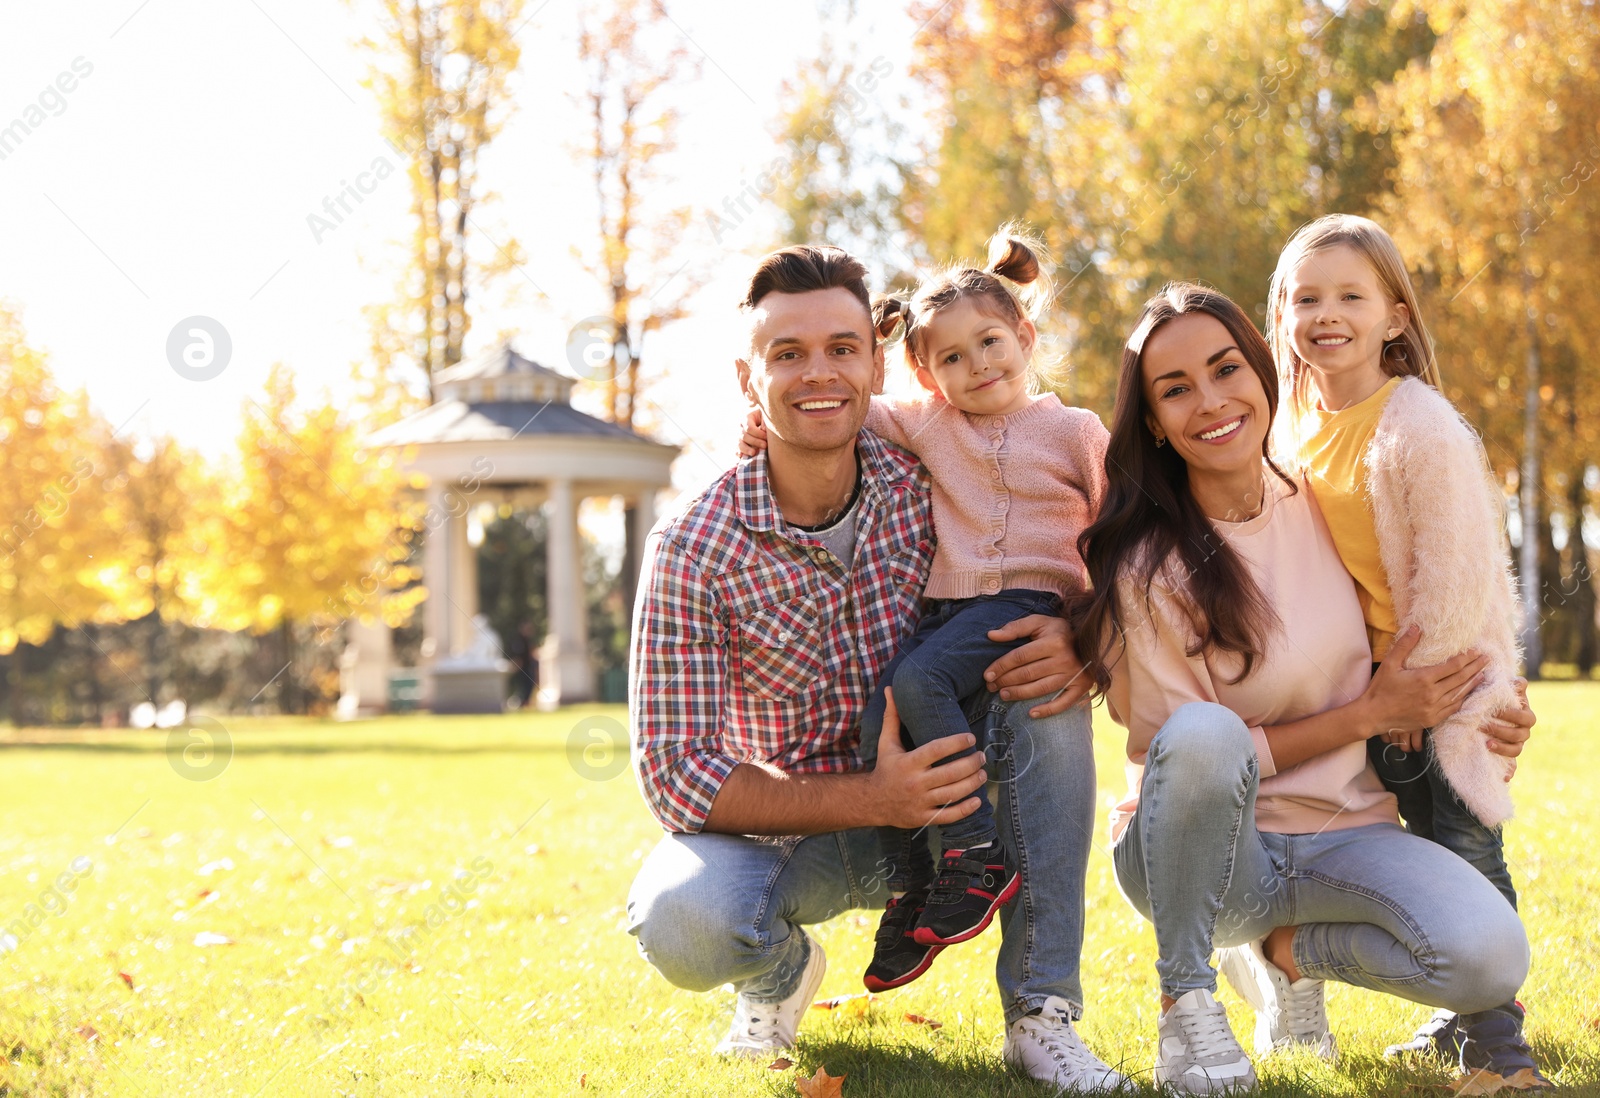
point(1203, 397)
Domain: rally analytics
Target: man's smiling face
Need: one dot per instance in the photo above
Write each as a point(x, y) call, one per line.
point(812, 367)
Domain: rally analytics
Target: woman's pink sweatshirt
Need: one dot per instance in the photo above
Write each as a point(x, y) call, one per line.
point(1316, 660)
point(1011, 493)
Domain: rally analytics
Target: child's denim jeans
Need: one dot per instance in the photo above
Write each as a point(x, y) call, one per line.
point(939, 691)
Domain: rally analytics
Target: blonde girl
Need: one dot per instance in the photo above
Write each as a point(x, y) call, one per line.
point(1404, 485)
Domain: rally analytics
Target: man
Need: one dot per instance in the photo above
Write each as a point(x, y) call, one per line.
point(767, 609)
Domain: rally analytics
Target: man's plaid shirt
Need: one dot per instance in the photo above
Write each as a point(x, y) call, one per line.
point(752, 643)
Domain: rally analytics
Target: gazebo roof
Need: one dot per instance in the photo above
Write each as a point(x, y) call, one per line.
point(499, 421)
point(498, 396)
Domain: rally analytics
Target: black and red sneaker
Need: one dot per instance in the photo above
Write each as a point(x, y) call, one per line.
point(897, 958)
point(971, 887)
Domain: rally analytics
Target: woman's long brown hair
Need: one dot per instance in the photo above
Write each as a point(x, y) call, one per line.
point(1150, 518)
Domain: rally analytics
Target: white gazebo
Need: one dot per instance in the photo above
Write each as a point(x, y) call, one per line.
point(502, 430)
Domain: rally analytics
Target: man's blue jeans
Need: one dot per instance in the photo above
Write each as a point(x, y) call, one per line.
point(1376, 907)
point(712, 909)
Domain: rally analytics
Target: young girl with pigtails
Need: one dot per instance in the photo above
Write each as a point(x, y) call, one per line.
point(1016, 476)
point(1404, 484)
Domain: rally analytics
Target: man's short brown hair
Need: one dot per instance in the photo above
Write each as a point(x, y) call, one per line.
point(802, 268)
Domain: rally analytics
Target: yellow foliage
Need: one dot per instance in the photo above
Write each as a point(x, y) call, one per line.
point(310, 527)
point(59, 559)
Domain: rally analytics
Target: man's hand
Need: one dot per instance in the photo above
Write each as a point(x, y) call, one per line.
point(1042, 666)
point(911, 791)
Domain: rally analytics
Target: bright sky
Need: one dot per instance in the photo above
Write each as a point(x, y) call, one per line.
point(176, 177)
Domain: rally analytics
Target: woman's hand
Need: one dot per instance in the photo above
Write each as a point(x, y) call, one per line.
point(1042, 666)
point(1507, 732)
point(1402, 701)
point(754, 439)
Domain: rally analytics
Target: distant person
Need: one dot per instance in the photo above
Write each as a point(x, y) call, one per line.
point(1405, 485)
point(1016, 477)
point(1228, 639)
point(769, 609)
point(525, 668)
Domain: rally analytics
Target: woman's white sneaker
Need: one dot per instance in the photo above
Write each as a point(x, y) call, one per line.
point(761, 1028)
point(1287, 1014)
point(1047, 1047)
point(1197, 1052)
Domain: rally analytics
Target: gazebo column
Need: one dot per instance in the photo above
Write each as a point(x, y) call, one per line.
point(646, 512)
point(435, 573)
point(565, 674)
point(463, 581)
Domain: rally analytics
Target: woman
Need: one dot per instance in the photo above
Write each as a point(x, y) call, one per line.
point(1228, 640)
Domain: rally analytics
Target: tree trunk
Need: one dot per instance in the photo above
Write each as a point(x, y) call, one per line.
point(286, 692)
point(97, 699)
point(1580, 579)
point(1528, 492)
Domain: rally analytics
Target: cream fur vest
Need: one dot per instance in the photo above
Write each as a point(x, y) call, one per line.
point(1441, 536)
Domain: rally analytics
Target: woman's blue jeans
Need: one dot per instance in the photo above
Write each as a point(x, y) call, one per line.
point(1376, 907)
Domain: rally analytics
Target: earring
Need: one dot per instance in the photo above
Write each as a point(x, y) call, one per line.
point(1391, 333)
point(1161, 440)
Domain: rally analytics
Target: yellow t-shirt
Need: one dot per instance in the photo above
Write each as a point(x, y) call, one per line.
point(1334, 456)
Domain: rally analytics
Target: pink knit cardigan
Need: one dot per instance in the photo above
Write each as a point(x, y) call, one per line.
point(1011, 493)
point(1441, 537)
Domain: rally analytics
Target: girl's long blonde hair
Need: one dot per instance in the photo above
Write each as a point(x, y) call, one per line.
point(1409, 354)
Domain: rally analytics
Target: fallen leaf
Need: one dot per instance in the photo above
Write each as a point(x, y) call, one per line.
point(88, 1032)
point(822, 1085)
point(211, 938)
point(780, 1064)
point(126, 979)
point(855, 1006)
point(919, 1020)
point(583, 1080)
point(1487, 1082)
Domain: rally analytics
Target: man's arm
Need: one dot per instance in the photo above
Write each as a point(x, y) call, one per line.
point(675, 688)
point(906, 789)
point(677, 699)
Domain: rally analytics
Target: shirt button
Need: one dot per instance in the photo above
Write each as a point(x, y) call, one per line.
point(783, 638)
point(995, 475)
point(1003, 506)
point(991, 585)
point(822, 556)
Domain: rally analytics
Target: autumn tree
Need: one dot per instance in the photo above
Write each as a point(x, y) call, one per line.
point(440, 73)
point(156, 496)
point(312, 528)
point(634, 61)
point(59, 559)
point(843, 164)
point(1497, 137)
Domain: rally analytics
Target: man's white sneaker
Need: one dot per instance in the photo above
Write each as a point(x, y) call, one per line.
point(760, 1028)
point(1047, 1047)
point(1198, 1053)
point(1287, 1014)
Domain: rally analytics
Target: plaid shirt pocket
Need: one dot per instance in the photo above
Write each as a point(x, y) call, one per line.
point(780, 651)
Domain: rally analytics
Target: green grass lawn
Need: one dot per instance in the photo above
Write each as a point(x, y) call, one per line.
point(434, 906)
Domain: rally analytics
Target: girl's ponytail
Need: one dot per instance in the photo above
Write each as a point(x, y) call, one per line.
point(1019, 258)
point(889, 314)
point(1010, 257)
